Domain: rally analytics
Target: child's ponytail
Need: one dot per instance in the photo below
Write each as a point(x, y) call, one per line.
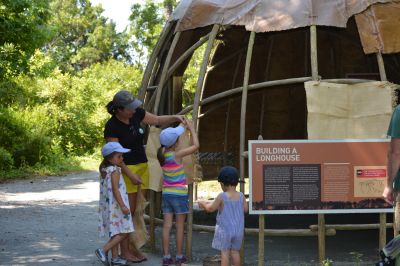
point(160, 155)
point(104, 164)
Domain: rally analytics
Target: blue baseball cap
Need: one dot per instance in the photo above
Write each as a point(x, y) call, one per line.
point(170, 135)
point(111, 147)
point(228, 175)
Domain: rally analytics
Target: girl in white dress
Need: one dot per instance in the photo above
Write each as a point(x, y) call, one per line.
point(115, 220)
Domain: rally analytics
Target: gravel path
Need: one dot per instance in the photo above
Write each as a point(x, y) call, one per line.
point(53, 221)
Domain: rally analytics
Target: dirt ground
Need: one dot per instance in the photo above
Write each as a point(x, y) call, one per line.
point(53, 221)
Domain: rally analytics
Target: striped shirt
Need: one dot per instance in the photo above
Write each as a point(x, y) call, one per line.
point(174, 181)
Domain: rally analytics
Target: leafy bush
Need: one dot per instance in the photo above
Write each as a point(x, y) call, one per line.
point(61, 115)
point(6, 160)
point(61, 62)
point(76, 104)
point(25, 135)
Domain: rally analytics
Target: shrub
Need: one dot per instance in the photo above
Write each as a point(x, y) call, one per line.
point(6, 160)
point(44, 120)
point(24, 135)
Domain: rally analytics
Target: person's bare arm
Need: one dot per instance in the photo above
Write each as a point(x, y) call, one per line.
point(132, 176)
point(125, 170)
point(393, 168)
point(195, 145)
point(157, 120)
point(211, 206)
point(115, 176)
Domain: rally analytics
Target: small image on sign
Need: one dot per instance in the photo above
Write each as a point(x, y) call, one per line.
point(369, 181)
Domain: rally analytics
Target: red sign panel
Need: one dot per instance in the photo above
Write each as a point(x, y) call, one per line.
point(318, 176)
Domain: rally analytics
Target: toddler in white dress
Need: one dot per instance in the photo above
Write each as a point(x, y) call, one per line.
point(115, 219)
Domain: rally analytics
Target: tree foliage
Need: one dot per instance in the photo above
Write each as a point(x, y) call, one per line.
point(146, 24)
point(82, 36)
point(24, 28)
point(145, 27)
point(61, 61)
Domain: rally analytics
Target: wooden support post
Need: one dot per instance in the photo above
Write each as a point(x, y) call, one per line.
point(186, 54)
point(228, 112)
point(202, 73)
point(226, 59)
point(381, 66)
point(243, 117)
point(244, 106)
point(256, 231)
point(396, 216)
point(226, 130)
point(346, 81)
point(314, 54)
point(261, 235)
point(195, 191)
point(152, 223)
point(314, 74)
point(321, 237)
point(153, 58)
point(158, 95)
point(306, 51)
point(350, 227)
point(261, 128)
point(163, 77)
point(256, 86)
point(177, 86)
point(195, 115)
point(154, 72)
point(382, 216)
point(261, 225)
point(189, 224)
point(382, 230)
point(268, 66)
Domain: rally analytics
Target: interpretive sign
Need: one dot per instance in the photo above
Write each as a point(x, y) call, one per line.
point(318, 176)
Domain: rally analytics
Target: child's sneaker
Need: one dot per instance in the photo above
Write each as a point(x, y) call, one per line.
point(118, 261)
point(167, 260)
point(180, 259)
point(102, 256)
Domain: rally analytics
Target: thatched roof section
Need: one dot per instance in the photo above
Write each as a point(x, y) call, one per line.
point(382, 16)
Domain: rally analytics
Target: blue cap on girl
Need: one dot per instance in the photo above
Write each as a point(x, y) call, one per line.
point(111, 147)
point(170, 135)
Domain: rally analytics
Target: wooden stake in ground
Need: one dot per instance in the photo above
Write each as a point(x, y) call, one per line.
point(195, 115)
point(243, 117)
point(261, 236)
point(157, 101)
point(382, 216)
point(382, 230)
point(314, 71)
point(321, 237)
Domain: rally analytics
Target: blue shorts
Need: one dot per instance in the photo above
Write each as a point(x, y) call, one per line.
point(174, 204)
